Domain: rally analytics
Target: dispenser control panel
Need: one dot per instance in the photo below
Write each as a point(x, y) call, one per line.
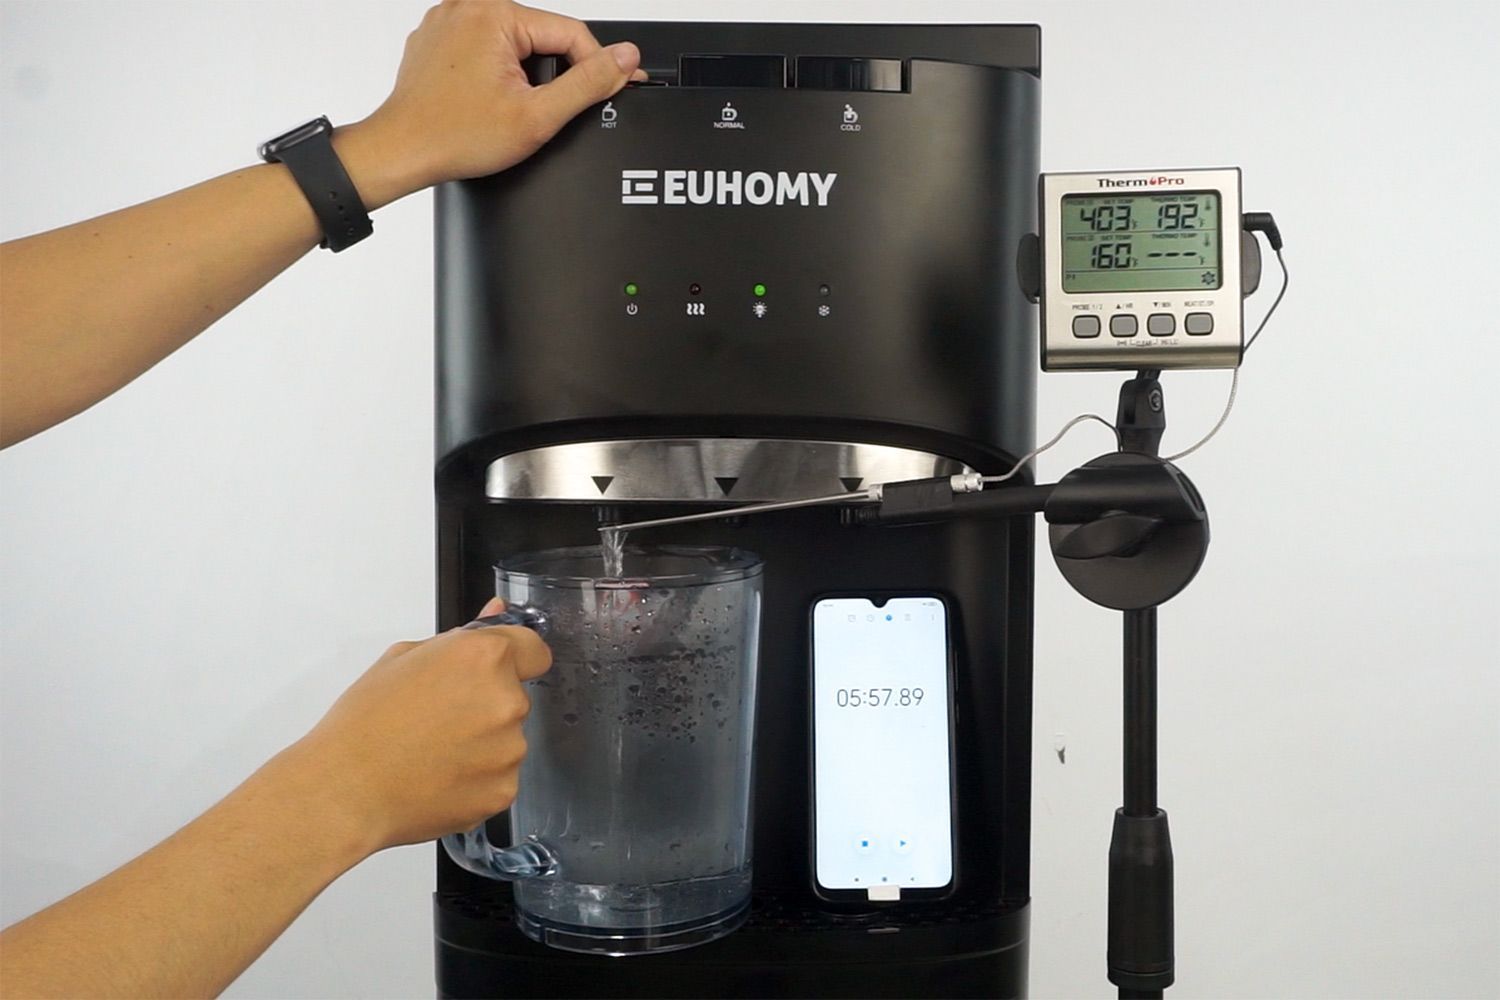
point(1141, 270)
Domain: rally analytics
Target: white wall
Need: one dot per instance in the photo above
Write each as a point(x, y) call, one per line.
point(193, 569)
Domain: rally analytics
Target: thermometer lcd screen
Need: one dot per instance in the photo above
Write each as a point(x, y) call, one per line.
point(1141, 242)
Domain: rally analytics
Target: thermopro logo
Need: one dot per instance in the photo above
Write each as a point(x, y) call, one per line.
point(1141, 182)
point(724, 187)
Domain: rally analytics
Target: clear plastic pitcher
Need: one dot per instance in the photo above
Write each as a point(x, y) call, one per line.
point(631, 827)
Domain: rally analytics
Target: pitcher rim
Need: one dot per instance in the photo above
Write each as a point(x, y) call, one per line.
point(731, 564)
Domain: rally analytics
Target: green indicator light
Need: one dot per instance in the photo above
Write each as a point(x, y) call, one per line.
point(631, 288)
point(759, 290)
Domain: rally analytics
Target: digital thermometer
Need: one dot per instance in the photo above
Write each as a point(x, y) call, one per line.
point(1144, 270)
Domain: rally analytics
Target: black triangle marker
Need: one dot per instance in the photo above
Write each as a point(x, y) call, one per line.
point(851, 483)
point(602, 482)
point(726, 483)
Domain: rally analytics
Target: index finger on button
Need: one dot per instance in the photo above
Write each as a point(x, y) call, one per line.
point(550, 33)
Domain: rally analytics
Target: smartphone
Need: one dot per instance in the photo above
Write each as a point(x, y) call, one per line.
point(882, 720)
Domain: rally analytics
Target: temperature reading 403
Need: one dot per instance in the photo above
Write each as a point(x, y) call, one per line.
point(878, 697)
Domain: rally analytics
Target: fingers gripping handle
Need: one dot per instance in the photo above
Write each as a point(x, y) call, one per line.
point(472, 851)
point(532, 618)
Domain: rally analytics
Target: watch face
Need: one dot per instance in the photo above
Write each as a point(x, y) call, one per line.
point(273, 147)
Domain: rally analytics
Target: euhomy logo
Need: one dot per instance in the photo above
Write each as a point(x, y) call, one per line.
point(724, 187)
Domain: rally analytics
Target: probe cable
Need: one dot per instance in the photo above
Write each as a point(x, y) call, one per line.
point(1234, 386)
point(1234, 383)
point(1056, 438)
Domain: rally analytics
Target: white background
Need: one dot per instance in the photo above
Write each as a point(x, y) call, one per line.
point(196, 567)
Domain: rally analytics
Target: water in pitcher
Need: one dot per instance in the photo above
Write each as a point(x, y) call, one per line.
point(644, 788)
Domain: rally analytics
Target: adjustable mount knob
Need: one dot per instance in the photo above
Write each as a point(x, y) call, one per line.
point(1127, 530)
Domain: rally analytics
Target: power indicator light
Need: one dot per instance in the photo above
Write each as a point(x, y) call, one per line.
point(631, 288)
point(759, 290)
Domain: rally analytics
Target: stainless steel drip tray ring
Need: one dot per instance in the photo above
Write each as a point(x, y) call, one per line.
point(705, 470)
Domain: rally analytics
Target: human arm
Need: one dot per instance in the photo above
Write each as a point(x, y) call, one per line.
point(427, 742)
point(87, 308)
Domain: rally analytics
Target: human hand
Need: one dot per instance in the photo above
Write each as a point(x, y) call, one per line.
point(462, 106)
point(428, 741)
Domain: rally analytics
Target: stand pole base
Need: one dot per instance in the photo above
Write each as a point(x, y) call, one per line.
point(1141, 960)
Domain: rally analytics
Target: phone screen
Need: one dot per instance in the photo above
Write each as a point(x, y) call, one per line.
point(882, 776)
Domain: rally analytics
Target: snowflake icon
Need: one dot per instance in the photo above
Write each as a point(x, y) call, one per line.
point(824, 310)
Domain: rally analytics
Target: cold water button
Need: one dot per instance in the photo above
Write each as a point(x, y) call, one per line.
point(1123, 325)
point(848, 73)
point(1085, 326)
point(1161, 324)
point(1199, 324)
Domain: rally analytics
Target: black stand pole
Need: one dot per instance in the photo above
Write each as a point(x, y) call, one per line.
point(1128, 531)
point(1140, 953)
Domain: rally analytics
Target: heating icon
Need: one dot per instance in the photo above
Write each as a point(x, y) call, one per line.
point(695, 309)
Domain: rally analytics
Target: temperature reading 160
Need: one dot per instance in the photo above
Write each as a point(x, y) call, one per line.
point(1111, 256)
point(878, 697)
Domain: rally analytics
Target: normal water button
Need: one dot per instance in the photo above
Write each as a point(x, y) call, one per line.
point(1198, 324)
point(1085, 326)
point(1123, 325)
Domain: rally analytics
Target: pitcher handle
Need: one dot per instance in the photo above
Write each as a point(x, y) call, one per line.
point(472, 850)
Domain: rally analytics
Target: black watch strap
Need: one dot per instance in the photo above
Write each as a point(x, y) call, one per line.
point(308, 153)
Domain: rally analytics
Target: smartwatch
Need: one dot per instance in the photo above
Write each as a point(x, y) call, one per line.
point(307, 151)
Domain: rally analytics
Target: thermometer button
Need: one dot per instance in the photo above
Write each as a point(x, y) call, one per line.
point(1085, 326)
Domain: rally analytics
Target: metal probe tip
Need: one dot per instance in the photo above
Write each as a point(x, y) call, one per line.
point(858, 496)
